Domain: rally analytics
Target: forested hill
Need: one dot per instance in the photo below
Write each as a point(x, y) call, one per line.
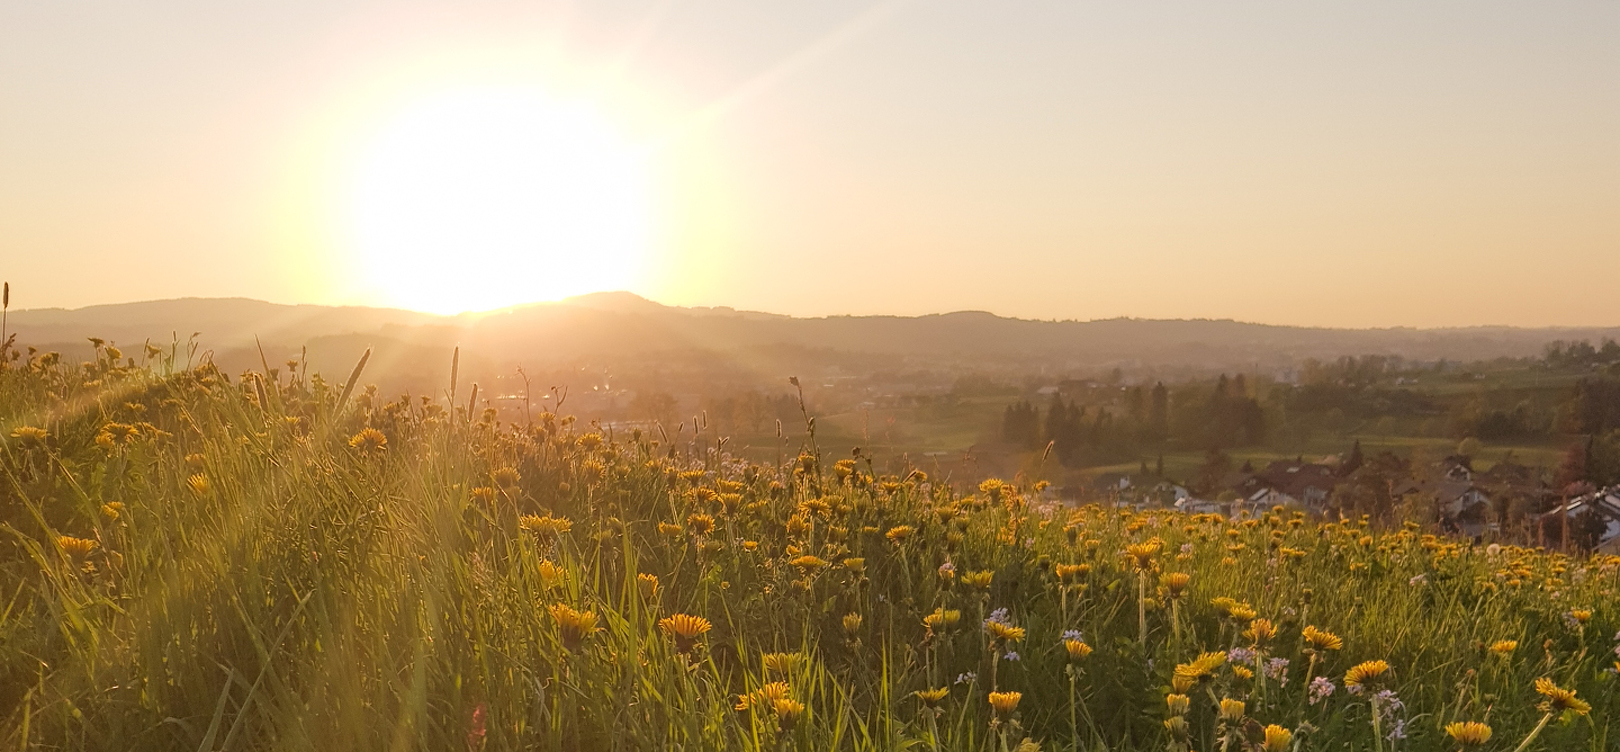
point(622, 324)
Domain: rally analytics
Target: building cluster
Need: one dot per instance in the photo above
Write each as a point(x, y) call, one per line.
point(1456, 496)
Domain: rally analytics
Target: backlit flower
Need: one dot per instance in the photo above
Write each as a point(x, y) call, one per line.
point(1321, 639)
point(75, 547)
point(1365, 673)
point(1469, 734)
point(1005, 703)
point(547, 526)
point(685, 628)
point(369, 440)
point(573, 626)
point(764, 697)
point(932, 697)
point(1559, 699)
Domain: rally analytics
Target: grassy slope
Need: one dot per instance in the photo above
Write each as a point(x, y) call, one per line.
point(266, 585)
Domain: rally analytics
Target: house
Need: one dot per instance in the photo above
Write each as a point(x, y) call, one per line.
point(1191, 505)
point(1605, 504)
point(1167, 493)
point(1289, 482)
point(1111, 483)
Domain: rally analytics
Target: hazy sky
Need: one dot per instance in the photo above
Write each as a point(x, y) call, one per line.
point(1333, 163)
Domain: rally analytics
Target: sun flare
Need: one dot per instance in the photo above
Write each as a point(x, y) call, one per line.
point(491, 197)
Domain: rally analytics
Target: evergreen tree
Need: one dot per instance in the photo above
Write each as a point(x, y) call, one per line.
point(1355, 460)
point(1159, 412)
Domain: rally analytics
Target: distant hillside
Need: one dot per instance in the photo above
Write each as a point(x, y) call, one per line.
point(609, 326)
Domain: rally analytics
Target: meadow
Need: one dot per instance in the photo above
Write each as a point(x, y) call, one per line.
point(200, 561)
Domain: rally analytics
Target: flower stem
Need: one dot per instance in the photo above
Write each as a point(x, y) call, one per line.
point(1378, 734)
point(1524, 745)
point(1310, 673)
point(1074, 724)
point(1141, 605)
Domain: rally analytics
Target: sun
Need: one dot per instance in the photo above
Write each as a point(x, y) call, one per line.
point(484, 198)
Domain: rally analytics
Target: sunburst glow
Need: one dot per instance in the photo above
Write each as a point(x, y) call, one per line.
point(486, 198)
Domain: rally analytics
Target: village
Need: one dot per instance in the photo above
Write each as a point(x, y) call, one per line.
point(1506, 502)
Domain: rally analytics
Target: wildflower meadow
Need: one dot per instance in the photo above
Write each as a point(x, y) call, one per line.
point(193, 560)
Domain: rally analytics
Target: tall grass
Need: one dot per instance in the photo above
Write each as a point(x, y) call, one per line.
point(287, 564)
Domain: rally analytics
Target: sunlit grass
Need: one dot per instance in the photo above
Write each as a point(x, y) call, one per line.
point(253, 565)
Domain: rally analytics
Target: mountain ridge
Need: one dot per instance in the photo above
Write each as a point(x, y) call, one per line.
point(611, 325)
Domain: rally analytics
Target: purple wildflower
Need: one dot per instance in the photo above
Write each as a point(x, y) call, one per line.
point(1277, 670)
point(1321, 688)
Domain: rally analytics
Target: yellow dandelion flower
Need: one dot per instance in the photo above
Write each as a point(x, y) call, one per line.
point(547, 526)
point(1142, 553)
point(1178, 704)
point(551, 575)
point(1243, 673)
point(1232, 711)
point(932, 697)
point(1559, 699)
point(1005, 703)
point(700, 524)
point(76, 547)
point(483, 495)
point(1276, 739)
point(808, 563)
point(1197, 670)
point(788, 713)
point(1321, 639)
point(1581, 615)
point(574, 626)
point(1001, 632)
point(1175, 583)
point(1469, 734)
point(685, 628)
point(781, 663)
point(979, 580)
point(647, 585)
point(199, 484)
point(112, 510)
point(899, 534)
point(852, 623)
point(30, 434)
point(1503, 648)
point(669, 530)
point(942, 618)
point(1365, 673)
point(764, 697)
point(1078, 650)
point(506, 477)
point(1259, 631)
point(369, 440)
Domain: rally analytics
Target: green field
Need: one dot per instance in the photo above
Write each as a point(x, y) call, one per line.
point(196, 562)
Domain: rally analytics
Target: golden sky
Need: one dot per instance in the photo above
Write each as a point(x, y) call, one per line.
point(1334, 163)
